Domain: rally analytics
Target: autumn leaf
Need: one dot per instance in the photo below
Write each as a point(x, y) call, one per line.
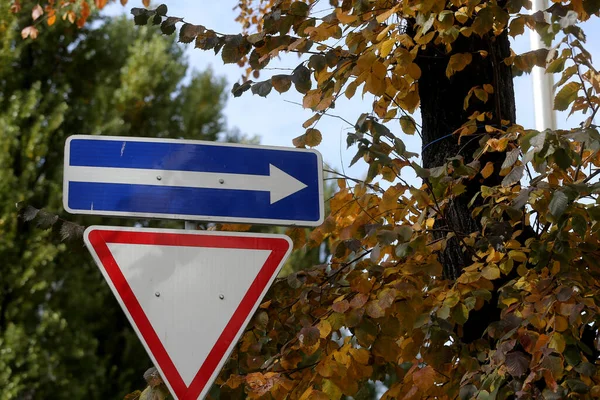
point(408, 125)
point(36, 12)
point(313, 137)
point(566, 95)
point(281, 83)
point(487, 170)
point(516, 363)
point(29, 32)
point(457, 63)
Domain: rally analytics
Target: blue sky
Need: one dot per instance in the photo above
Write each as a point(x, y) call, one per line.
point(278, 119)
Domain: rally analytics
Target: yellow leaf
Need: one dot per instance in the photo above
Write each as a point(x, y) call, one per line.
point(343, 17)
point(457, 63)
point(389, 200)
point(333, 392)
point(313, 137)
point(487, 170)
point(560, 323)
point(414, 71)
point(518, 256)
point(311, 120)
point(386, 48)
point(461, 16)
point(490, 272)
point(557, 342)
point(385, 15)
point(429, 223)
point(481, 94)
point(351, 89)
point(298, 236)
point(410, 101)
point(408, 125)
point(324, 328)
point(360, 355)
point(146, 3)
point(488, 88)
point(235, 227)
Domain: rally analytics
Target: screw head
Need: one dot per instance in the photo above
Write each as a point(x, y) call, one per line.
point(157, 294)
point(221, 181)
point(158, 178)
point(221, 296)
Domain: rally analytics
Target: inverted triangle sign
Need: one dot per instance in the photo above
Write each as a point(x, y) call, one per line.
point(188, 294)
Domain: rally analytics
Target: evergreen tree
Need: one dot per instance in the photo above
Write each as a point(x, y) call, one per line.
point(62, 334)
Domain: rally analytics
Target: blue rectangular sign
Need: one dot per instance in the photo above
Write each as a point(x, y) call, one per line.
point(192, 180)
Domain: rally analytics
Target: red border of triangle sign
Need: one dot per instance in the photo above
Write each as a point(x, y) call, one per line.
point(117, 252)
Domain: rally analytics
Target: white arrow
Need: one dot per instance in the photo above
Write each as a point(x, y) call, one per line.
point(278, 183)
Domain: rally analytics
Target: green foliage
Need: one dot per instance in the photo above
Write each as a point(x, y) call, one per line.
point(62, 334)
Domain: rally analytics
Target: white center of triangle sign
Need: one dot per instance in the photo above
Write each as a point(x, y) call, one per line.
point(188, 294)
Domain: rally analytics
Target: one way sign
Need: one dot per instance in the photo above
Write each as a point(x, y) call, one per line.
point(192, 180)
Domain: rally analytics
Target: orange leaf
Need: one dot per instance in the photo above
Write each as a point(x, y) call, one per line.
point(487, 170)
point(51, 20)
point(424, 378)
point(146, 3)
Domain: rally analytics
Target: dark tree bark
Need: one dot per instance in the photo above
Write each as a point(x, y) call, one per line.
point(442, 113)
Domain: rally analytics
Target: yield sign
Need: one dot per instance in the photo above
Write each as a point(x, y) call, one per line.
point(188, 294)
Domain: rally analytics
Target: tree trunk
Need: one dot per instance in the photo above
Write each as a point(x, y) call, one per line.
point(442, 113)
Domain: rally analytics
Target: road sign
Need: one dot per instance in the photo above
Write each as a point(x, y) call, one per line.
point(188, 294)
point(192, 180)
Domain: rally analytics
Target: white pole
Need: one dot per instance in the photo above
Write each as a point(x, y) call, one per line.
point(191, 226)
point(543, 93)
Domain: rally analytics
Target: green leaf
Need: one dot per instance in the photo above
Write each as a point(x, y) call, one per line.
point(566, 96)
point(577, 386)
point(162, 10)
point(141, 19)
point(301, 79)
point(236, 47)
point(168, 25)
point(239, 89)
point(408, 125)
point(467, 392)
point(579, 224)
point(558, 204)
point(460, 313)
point(299, 9)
